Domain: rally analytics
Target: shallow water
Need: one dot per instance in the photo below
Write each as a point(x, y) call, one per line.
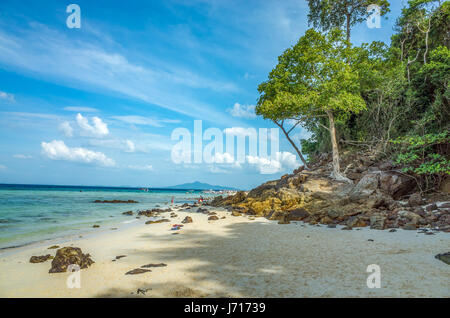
point(30, 213)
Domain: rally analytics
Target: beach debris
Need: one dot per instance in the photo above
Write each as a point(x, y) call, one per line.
point(157, 221)
point(142, 291)
point(40, 259)
point(445, 257)
point(137, 271)
point(96, 226)
point(53, 247)
point(187, 219)
point(128, 213)
point(70, 256)
point(154, 265)
point(115, 201)
point(213, 218)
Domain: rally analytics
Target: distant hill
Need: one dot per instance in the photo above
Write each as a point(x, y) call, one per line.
point(200, 186)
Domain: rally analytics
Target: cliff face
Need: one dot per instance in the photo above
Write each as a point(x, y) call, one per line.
point(379, 197)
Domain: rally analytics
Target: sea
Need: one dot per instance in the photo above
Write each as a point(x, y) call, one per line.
point(33, 213)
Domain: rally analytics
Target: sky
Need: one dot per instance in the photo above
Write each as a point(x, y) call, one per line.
point(97, 105)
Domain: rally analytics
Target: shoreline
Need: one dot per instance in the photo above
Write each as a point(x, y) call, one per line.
point(237, 257)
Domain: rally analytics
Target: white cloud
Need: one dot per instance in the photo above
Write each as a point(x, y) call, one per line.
point(81, 109)
point(130, 146)
point(223, 158)
point(239, 131)
point(66, 129)
point(98, 129)
point(281, 161)
point(121, 144)
point(57, 150)
point(2, 167)
point(20, 156)
point(141, 168)
point(7, 96)
point(242, 111)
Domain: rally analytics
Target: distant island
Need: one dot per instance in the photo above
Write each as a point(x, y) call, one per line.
point(197, 185)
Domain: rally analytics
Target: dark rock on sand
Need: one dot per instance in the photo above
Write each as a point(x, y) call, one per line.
point(53, 247)
point(40, 259)
point(137, 271)
point(187, 219)
point(154, 265)
point(445, 257)
point(128, 213)
point(235, 213)
point(120, 256)
point(69, 255)
point(213, 218)
point(96, 226)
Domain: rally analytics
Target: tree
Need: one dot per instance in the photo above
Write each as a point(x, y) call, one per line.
point(315, 78)
point(328, 14)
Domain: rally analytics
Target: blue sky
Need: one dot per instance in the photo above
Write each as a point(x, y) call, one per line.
point(97, 105)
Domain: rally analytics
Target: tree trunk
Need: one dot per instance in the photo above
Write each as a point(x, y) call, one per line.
point(348, 27)
point(293, 145)
point(336, 174)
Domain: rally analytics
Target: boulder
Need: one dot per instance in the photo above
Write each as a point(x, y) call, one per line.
point(298, 214)
point(415, 199)
point(128, 213)
point(396, 185)
point(235, 213)
point(213, 218)
point(137, 271)
point(187, 219)
point(377, 222)
point(69, 255)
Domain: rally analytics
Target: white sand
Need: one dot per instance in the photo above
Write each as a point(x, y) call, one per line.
point(237, 257)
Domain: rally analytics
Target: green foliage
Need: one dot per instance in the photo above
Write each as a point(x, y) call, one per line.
point(426, 156)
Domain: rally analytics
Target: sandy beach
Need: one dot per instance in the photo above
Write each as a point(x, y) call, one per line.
point(237, 257)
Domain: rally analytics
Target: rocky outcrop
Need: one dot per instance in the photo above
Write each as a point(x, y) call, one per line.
point(312, 197)
point(67, 256)
point(187, 219)
point(445, 257)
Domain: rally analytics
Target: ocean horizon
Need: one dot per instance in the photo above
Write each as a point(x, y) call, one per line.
point(32, 213)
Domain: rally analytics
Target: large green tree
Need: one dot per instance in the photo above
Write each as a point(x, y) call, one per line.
point(315, 78)
point(327, 14)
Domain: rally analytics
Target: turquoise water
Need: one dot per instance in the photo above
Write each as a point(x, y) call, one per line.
point(33, 213)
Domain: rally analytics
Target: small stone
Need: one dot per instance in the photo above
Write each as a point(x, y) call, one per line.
point(213, 218)
point(235, 213)
point(40, 259)
point(347, 228)
point(128, 213)
point(120, 256)
point(95, 226)
point(53, 247)
point(392, 230)
point(137, 271)
point(154, 265)
point(409, 227)
point(158, 221)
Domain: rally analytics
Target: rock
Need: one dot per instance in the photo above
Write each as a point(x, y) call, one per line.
point(377, 222)
point(69, 255)
point(187, 219)
point(157, 221)
point(137, 271)
point(331, 226)
point(298, 214)
point(431, 207)
point(299, 169)
point(445, 257)
point(202, 210)
point(396, 185)
point(415, 199)
point(326, 220)
point(392, 230)
point(213, 218)
point(284, 219)
point(235, 213)
point(356, 221)
point(128, 213)
point(154, 265)
point(333, 214)
point(120, 256)
point(410, 227)
point(346, 228)
point(53, 247)
point(40, 259)
point(95, 226)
